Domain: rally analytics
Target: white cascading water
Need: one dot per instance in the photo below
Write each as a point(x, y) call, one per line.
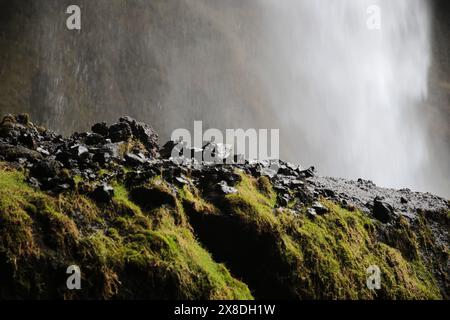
point(348, 97)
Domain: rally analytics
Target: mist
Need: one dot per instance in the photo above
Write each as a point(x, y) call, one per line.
point(349, 100)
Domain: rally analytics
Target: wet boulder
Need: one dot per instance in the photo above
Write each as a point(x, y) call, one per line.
point(7, 126)
point(120, 132)
point(95, 139)
point(319, 208)
point(133, 160)
point(27, 141)
point(308, 173)
point(101, 157)
point(102, 193)
point(46, 169)
point(101, 129)
point(382, 211)
point(144, 133)
point(23, 119)
point(12, 153)
point(166, 150)
point(151, 197)
point(79, 150)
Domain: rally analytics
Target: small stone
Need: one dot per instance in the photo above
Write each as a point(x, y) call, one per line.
point(46, 169)
point(120, 132)
point(308, 173)
point(166, 150)
point(23, 119)
point(103, 193)
point(100, 128)
point(79, 150)
point(101, 157)
point(382, 211)
point(28, 141)
point(144, 133)
point(134, 160)
point(226, 189)
point(12, 153)
point(95, 139)
point(181, 181)
point(311, 213)
point(43, 151)
point(319, 208)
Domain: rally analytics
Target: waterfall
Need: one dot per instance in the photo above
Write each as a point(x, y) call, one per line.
point(349, 98)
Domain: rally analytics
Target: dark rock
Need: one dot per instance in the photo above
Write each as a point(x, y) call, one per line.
point(46, 169)
point(308, 173)
point(134, 160)
point(166, 150)
point(403, 200)
point(64, 157)
point(311, 213)
point(135, 178)
point(319, 208)
point(382, 211)
point(43, 151)
point(120, 132)
point(283, 200)
point(305, 196)
point(269, 171)
point(28, 141)
point(103, 193)
point(150, 198)
point(7, 126)
point(95, 139)
point(11, 153)
point(328, 193)
point(23, 119)
point(79, 150)
point(34, 182)
point(101, 129)
point(287, 169)
point(144, 133)
point(101, 157)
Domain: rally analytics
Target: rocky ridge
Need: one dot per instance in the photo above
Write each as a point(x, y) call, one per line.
point(261, 198)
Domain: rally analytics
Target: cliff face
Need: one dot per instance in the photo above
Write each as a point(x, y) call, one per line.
point(140, 226)
point(150, 59)
point(119, 63)
point(171, 62)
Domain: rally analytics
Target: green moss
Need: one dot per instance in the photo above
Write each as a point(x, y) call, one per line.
point(327, 257)
point(123, 252)
point(338, 248)
point(253, 205)
point(127, 251)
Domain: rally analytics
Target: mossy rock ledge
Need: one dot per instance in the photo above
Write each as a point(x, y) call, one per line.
point(140, 226)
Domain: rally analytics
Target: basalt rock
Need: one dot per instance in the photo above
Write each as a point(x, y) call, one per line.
point(103, 193)
point(120, 132)
point(12, 153)
point(145, 134)
point(101, 129)
point(275, 225)
point(382, 211)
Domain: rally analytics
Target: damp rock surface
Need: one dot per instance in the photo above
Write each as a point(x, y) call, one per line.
point(142, 225)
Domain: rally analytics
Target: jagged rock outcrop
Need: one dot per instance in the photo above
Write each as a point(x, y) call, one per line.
point(142, 226)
